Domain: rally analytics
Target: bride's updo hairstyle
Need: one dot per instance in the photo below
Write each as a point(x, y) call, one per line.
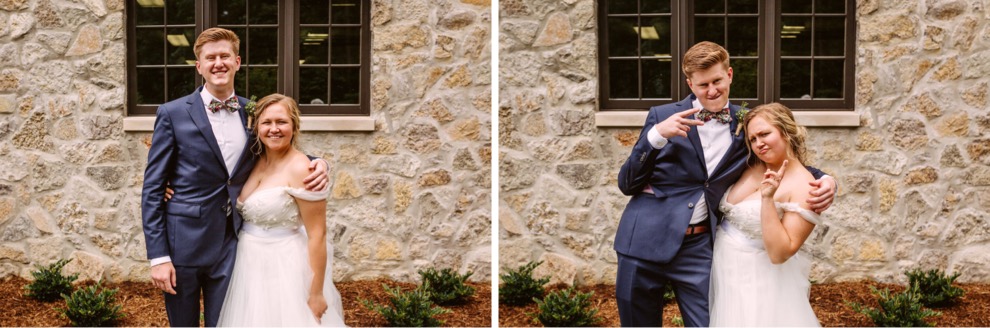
point(781, 118)
point(276, 98)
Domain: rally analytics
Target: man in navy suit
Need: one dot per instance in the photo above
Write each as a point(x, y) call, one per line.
point(687, 156)
point(200, 148)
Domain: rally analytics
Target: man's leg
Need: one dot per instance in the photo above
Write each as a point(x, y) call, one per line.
point(217, 280)
point(639, 292)
point(690, 273)
point(183, 307)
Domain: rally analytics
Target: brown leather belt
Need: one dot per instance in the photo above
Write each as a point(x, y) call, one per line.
point(698, 228)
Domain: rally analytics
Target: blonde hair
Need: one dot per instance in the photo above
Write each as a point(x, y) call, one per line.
point(217, 34)
point(703, 56)
point(781, 118)
point(290, 104)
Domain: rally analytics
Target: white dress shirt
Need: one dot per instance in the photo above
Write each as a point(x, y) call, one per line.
point(715, 141)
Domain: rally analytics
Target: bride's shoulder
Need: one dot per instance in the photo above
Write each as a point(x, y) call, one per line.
point(798, 186)
point(298, 168)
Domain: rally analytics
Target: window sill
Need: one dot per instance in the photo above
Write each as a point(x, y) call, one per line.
point(635, 119)
point(307, 123)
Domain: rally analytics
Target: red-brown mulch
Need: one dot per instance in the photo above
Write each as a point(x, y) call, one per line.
point(827, 300)
point(144, 306)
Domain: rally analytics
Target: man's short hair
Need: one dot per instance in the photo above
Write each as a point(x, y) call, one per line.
point(217, 34)
point(703, 56)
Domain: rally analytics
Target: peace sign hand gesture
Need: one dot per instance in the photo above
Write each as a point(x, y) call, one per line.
point(678, 124)
point(771, 181)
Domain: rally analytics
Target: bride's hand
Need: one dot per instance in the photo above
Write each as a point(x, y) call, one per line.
point(317, 304)
point(771, 181)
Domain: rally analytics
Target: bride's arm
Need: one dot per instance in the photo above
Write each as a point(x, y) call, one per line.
point(314, 219)
point(782, 238)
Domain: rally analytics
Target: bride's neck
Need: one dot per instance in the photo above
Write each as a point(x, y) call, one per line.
point(275, 157)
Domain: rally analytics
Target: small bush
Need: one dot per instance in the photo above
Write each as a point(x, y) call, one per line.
point(561, 309)
point(446, 286)
point(49, 284)
point(668, 293)
point(934, 287)
point(898, 310)
point(408, 309)
point(89, 308)
point(518, 286)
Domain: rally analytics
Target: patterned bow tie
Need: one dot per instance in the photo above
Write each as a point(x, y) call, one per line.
point(721, 116)
point(230, 105)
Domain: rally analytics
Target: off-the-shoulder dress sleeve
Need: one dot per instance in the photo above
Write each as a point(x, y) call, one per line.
point(308, 195)
point(808, 215)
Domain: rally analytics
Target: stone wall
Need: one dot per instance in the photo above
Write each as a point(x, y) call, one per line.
point(413, 194)
point(914, 177)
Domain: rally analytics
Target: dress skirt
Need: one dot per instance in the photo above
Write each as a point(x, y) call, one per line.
point(271, 279)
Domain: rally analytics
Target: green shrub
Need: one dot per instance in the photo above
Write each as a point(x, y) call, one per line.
point(678, 321)
point(446, 286)
point(49, 284)
point(898, 310)
point(89, 308)
point(561, 309)
point(934, 287)
point(408, 309)
point(668, 293)
point(518, 286)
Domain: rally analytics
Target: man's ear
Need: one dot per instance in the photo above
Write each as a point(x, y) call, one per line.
point(688, 80)
point(729, 73)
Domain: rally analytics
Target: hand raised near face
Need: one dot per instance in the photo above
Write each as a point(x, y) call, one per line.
point(678, 124)
point(771, 181)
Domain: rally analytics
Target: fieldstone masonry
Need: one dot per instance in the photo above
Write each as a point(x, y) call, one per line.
point(914, 177)
point(412, 194)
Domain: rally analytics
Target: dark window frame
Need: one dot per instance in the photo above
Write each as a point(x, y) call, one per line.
point(682, 15)
point(288, 67)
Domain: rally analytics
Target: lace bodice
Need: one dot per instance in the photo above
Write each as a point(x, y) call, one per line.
point(275, 207)
point(745, 215)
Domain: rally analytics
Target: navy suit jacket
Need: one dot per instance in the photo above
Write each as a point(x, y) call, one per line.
point(190, 227)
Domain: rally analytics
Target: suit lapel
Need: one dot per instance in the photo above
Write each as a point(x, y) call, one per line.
point(737, 140)
point(197, 110)
point(693, 135)
point(246, 152)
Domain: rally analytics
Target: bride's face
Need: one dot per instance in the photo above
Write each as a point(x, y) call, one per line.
point(766, 141)
point(275, 127)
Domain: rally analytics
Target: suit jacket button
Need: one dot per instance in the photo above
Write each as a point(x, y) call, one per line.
point(228, 183)
point(706, 184)
point(690, 205)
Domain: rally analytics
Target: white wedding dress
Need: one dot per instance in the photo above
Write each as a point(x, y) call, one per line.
point(272, 275)
point(746, 288)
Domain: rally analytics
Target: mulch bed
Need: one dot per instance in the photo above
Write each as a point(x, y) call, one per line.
point(144, 305)
point(828, 301)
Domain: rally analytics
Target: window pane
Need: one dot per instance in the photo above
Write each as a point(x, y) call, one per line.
point(314, 12)
point(345, 48)
point(262, 81)
point(709, 29)
point(795, 79)
point(181, 82)
point(150, 43)
point(180, 12)
point(240, 83)
point(655, 7)
point(345, 12)
point(830, 33)
point(744, 6)
point(796, 7)
point(828, 78)
point(313, 46)
point(150, 85)
point(180, 42)
point(149, 14)
point(830, 6)
point(263, 44)
point(344, 82)
point(795, 36)
point(744, 78)
point(656, 78)
point(709, 6)
point(622, 37)
point(232, 12)
point(313, 85)
point(656, 36)
point(622, 81)
point(622, 6)
point(743, 33)
point(263, 12)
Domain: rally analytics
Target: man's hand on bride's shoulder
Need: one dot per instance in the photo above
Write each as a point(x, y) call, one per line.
point(318, 179)
point(822, 195)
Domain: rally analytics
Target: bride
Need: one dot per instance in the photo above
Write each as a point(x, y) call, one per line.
point(282, 276)
point(759, 277)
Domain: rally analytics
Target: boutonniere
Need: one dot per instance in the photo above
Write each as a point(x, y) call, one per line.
point(249, 109)
point(740, 115)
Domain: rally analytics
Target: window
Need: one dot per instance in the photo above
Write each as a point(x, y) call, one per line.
point(325, 66)
point(799, 53)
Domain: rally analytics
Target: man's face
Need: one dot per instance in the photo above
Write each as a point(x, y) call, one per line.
point(711, 86)
point(218, 64)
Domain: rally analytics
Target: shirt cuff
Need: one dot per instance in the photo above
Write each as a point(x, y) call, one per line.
point(160, 260)
point(656, 140)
